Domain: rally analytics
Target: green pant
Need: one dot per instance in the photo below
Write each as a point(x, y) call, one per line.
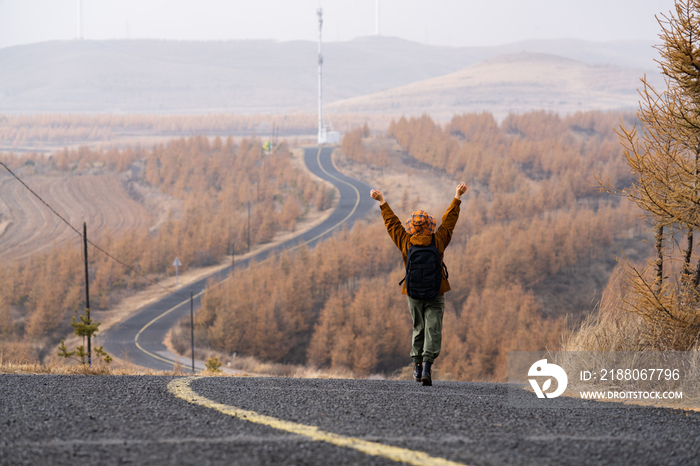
point(427, 327)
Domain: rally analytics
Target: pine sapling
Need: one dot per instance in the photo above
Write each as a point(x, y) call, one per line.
point(213, 365)
point(85, 328)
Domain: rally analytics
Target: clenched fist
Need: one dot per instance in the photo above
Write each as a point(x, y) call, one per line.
point(378, 196)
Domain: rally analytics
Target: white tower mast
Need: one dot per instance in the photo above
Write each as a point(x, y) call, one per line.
point(321, 129)
point(326, 135)
point(377, 17)
point(80, 19)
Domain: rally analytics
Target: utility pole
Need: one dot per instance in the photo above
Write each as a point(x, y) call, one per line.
point(321, 129)
point(326, 135)
point(80, 19)
point(192, 325)
point(87, 291)
point(377, 18)
point(248, 226)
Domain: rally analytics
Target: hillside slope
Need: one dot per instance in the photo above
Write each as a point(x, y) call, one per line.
point(519, 82)
point(153, 76)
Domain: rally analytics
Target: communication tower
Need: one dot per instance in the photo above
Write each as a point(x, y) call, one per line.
point(80, 19)
point(377, 18)
point(326, 135)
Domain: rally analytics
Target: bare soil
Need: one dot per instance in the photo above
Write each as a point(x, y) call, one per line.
point(28, 227)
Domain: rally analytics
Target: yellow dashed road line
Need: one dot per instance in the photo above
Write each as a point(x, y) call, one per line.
point(181, 389)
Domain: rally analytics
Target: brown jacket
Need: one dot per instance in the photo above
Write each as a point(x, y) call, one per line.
point(403, 240)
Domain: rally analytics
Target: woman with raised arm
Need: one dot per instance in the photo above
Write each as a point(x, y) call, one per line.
point(426, 282)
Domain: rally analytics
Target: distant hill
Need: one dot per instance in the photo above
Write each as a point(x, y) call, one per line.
point(149, 76)
point(511, 83)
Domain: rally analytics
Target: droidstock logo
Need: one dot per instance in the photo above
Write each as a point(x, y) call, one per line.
point(542, 369)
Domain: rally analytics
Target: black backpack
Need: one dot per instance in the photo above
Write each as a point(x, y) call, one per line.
point(423, 271)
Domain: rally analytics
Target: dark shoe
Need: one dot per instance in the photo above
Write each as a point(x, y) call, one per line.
point(418, 372)
point(426, 376)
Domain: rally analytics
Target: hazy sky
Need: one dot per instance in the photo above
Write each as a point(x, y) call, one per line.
point(438, 22)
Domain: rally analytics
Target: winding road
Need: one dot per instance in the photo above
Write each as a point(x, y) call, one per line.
point(140, 338)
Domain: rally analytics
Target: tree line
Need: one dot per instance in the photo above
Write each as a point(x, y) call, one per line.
point(108, 129)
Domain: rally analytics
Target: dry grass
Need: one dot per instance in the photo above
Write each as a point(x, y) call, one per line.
point(614, 337)
point(77, 369)
point(118, 367)
point(253, 367)
point(232, 366)
point(609, 329)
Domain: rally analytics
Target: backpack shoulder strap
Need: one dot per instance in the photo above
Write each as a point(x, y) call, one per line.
point(447, 274)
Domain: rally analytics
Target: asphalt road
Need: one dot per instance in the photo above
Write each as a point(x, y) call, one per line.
point(114, 420)
point(140, 338)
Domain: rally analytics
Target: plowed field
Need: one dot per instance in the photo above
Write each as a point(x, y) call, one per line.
point(27, 226)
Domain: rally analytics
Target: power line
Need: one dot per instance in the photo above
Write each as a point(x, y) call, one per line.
point(43, 201)
point(81, 235)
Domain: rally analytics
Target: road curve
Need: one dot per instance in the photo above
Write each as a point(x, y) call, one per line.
point(138, 420)
point(139, 339)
